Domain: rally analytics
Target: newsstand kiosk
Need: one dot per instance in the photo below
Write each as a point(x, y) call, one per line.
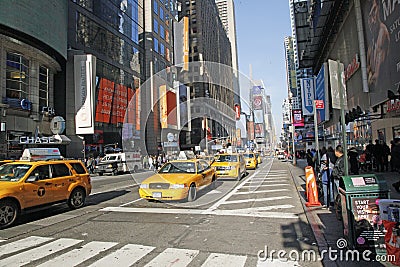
point(362, 225)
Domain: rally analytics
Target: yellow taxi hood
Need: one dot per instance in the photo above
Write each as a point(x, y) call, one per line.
point(172, 178)
point(224, 164)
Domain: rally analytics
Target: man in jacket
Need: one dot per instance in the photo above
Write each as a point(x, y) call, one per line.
point(338, 169)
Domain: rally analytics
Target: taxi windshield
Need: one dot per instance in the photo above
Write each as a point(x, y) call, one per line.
point(226, 158)
point(178, 167)
point(249, 156)
point(13, 172)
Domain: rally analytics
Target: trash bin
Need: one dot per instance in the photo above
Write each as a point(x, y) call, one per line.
point(362, 225)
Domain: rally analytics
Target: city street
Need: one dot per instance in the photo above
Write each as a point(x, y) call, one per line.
point(231, 226)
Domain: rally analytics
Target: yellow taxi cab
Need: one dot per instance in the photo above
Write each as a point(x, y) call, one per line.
point(259, 158)
point(177, 180)
point(230, 165)
point(251, 160)
point(5, 161)
point(27, 184)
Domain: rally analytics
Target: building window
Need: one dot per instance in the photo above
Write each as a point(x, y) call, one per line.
point(43, 86)
point(162, 32)
point(155, 25)
point(156, 45)
point(162, 49)
point(155, 7)
point(17, 77)
point(161, 13)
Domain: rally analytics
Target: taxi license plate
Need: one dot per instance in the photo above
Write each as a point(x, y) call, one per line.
point(157, 194)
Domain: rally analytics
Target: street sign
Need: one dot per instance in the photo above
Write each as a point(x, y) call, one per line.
point(319, 104)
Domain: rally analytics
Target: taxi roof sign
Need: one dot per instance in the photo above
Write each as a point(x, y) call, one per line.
point(34, 154)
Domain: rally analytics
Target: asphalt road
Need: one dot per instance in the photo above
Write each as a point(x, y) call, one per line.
point(232, 225)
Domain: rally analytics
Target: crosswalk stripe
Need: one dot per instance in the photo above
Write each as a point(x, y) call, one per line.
point(173, 257)
point(79, 255)
point(255, 200)
point(261, 191)
point(38, 253)
point(22, 244)
point(217, 260)
point(263, 185)
point(125, 256)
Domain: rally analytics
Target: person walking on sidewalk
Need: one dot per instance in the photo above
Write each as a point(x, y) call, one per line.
point(310, 158)
point(326, 173)
point(338, 169)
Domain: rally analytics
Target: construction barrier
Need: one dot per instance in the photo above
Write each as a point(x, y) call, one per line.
point(311, 188)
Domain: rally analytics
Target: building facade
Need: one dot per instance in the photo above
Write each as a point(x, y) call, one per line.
point(33, 53)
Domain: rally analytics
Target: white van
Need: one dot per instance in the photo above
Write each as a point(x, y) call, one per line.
point(118, 163)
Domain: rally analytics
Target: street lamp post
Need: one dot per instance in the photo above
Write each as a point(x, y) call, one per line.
point(292, 129)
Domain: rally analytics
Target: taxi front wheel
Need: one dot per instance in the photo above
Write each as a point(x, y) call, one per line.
point(77, 198)
point(8, 213)
point(192, 193)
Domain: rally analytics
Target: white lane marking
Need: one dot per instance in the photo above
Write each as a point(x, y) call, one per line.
point(263, 185)
point(173, 257)
point(79, 255)
point(260, 192)
point(277, 263)
point(254, 200)
point(275, 207)
point(214, 192)
point(22, 244)
point(255, 214)
point(227, 196)
point(125, 256)
point(217, 260)
point(126, 204)
point(245, 212)
point(38, 253)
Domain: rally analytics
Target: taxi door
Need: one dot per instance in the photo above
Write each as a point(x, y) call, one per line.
point(61, 177)
point(207, 172)
point(40, 191)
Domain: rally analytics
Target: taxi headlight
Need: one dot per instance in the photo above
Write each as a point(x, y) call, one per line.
point(177, 186)
point(109, 166)
point(145, 186)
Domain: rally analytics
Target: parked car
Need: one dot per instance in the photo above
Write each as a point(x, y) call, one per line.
point(27, 184)
point(281, 155)
point(230, 165)
point(177, 180)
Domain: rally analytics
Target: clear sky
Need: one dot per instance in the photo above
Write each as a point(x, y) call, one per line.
point(261, 26)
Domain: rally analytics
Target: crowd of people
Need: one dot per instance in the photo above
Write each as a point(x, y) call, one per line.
point(378, 157)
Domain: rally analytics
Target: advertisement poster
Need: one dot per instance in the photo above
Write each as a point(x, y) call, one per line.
point(85, 81)
point(298, 119)
point(307, 90)
point(257, 102)
point(104, 100)
point(382, 36)
point(337, 86)
point(321, 93)
point(119, 104)
point(258, 116)
point(183, 105)
point(259, 130)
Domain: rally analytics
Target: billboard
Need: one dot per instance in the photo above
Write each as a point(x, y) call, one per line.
point(84, 78)
point(258, 116)
point(171, 108)
point(256, 90)
point(163, 106)
point(298, 119)
point(183, 110)
point(119, 104)
point(382, 37)
point(259, 130)
point(336, 68)
point(307, 90)
point(257, 102)
point(321, 93)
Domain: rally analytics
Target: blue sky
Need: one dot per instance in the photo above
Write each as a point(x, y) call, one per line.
point(261, 26)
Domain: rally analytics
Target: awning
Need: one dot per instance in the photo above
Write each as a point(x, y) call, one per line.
point(62, 139)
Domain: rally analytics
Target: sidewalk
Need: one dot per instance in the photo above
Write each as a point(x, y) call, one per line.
point(327, 229)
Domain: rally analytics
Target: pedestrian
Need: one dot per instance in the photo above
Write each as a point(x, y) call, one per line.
point(362, 160)
point(378, 155)
point(338, 169)
point(353, 159)
point(369, 150)
point(150, 162)
point(385, 156)
point(310, 158)
point(326, 173)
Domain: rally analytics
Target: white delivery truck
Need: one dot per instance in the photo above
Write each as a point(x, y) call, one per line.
point(118, 163)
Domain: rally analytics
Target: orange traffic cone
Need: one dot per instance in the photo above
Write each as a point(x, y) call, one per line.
point(311, 188)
